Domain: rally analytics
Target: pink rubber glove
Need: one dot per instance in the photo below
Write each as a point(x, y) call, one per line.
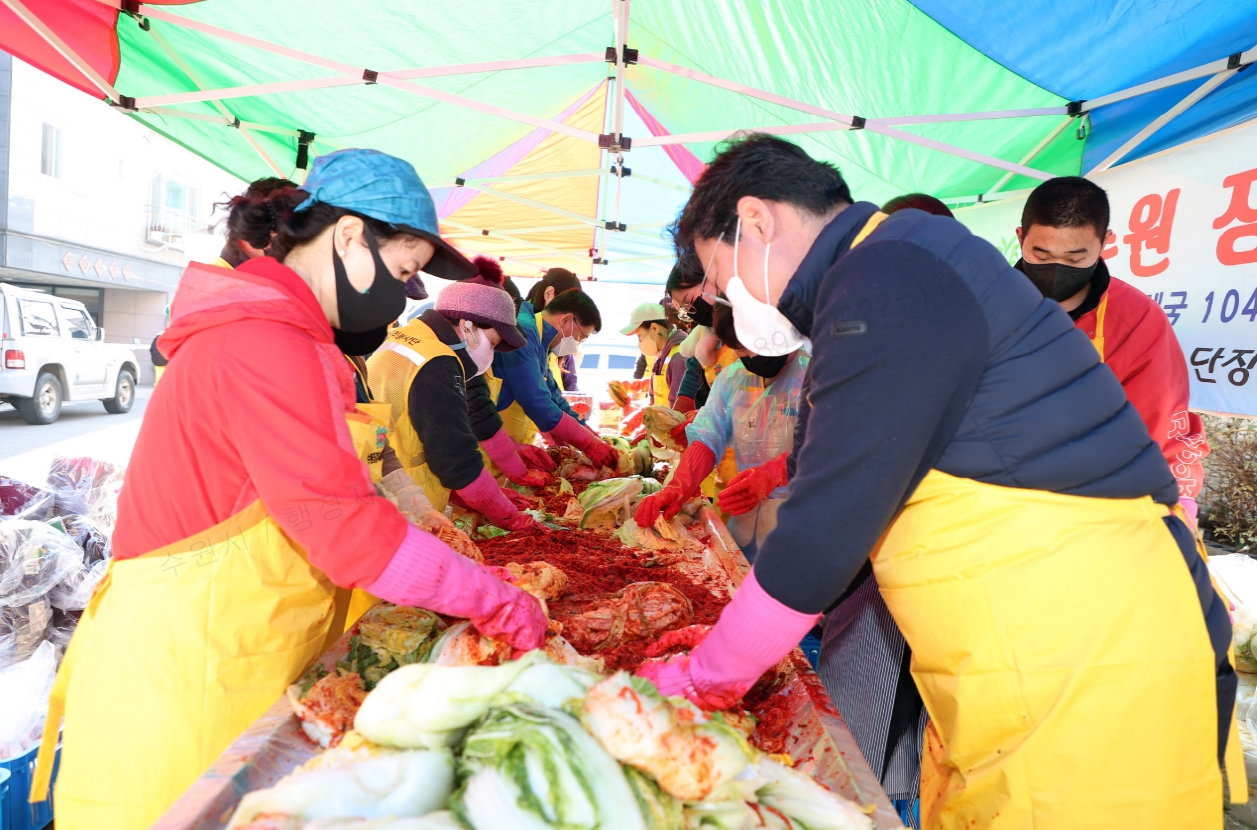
point(535, 478)
point(569, 431)
point(501, 450)
point(696, 463)
point(485, 497)
point(536, 458)
point(753, 634)
point(1190, 508)
point(749, 487)
point(518, 499)
point(426, 573)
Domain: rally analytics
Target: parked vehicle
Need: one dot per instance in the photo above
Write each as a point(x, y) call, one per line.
point(600, 363)
point(54, 353)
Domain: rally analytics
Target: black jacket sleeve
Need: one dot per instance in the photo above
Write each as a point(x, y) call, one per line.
point(438, 411)
point(899, 345)
point(482, 412)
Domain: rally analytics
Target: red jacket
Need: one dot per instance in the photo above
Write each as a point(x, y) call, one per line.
point(1141, 349)
point(253, 407)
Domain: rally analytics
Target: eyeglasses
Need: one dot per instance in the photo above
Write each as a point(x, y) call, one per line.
point(685, 313)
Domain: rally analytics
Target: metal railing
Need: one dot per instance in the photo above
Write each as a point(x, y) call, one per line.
point(167, 227)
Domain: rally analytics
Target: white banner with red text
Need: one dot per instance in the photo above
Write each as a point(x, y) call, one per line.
point(1184, 232)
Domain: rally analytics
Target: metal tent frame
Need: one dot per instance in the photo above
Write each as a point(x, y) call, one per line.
point(613, 143)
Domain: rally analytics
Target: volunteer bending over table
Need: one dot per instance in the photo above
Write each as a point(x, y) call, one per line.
point(530, 400)
point(1023, 528)
point(422, 370)
point(752, 409)
point(245, 505)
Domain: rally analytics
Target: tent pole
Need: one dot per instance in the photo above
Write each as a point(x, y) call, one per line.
point(51, 38)
point(218, 105)
point(1163, 119)
point(524, 231)
point(620, 10)
point(1038, 148)
point(1204, 70)
point(502, 194)
point(363, 75)
point(530, 177)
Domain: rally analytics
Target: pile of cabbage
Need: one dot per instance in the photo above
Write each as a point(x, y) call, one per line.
point(532, 744)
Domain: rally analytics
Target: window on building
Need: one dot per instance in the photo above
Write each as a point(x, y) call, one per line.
point(621, 361)
point(589, 361)
point(91, 298)
point(80, 327)
point(50, 158)
point(38, 318)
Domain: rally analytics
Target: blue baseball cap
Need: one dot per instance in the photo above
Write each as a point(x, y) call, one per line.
point(386, 188)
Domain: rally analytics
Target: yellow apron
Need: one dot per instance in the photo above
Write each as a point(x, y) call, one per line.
point(195, 641)
point(1098, 340)
point(1061, 651)
point(514, 420)
point(391, 370)
point(659, 383)
point(368, 429)
point(495, 391)
point(728, 466)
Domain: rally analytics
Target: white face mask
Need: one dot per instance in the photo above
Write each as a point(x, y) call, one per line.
point(479, 347)
point(567, 345)
point(761, 327)
point(648, 345)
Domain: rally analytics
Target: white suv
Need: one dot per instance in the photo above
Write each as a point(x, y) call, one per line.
point(53, 352)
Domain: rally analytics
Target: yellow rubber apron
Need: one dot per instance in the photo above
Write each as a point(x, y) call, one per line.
point(1060, 647)
point(727, 468)
point(368, 429)
point(495, 391)
point(391, 370)
point(514, 420)
point(177, 653)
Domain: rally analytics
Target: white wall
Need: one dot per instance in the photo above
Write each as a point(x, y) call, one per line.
point(107, 166)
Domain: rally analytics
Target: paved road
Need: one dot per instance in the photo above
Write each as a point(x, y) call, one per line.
point(83, 429)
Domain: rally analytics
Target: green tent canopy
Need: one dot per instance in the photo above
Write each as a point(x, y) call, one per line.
point(567, 133)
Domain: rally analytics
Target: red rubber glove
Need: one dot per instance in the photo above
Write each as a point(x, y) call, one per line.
point(749, 487)
point(678, 433)
point(426, 573)
point(485, 497)
point(696, 464)
point(536, 458)
point(569, 431)
point(518, 499)
point(752, 635)
point(684, 404)
point(501, 451)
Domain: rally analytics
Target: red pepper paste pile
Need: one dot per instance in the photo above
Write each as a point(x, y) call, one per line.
point(596, 568)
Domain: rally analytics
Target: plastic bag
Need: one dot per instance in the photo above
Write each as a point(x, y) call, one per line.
point(61, 629)
point(24, 501)
point(24, 688)
point(22, 629)
point(91, 537)
point(34, 557)
point(86, 487)
point(75, 589)
point(1236, 577)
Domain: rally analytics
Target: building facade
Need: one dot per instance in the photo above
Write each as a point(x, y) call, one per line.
point(97, 207)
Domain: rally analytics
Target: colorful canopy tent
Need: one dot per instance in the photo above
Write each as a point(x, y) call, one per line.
point(565, 133)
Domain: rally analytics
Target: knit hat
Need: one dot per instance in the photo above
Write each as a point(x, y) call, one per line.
point(483, 301)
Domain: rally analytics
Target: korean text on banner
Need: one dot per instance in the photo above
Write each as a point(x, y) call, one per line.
point(1184, 232)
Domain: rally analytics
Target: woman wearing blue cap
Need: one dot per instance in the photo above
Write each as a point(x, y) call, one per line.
point(245, 505)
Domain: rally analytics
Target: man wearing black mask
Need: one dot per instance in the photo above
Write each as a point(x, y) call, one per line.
point(1063, 227)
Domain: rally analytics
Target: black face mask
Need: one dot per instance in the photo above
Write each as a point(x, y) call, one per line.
point(700, 312)
point(360, 344)
point(764, 366)
point(1055, 281)
point(379, 305)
